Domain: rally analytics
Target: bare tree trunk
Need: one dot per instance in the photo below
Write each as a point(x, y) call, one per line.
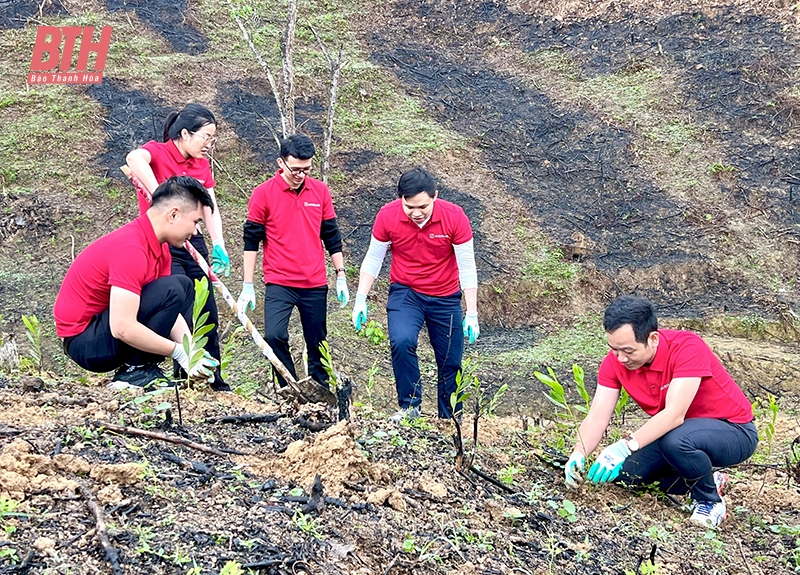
point(335, 68)
point(264, 66)
point(287, 49)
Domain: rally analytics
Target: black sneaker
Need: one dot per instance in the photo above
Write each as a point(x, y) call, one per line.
point(140, 377)
point(219, 384)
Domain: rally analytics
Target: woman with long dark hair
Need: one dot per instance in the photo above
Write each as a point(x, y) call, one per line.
point(189, 135)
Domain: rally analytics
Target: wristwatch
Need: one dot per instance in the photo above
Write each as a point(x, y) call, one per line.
point(633, 445)
point(341, 271)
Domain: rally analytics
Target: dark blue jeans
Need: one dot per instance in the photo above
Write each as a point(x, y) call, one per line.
point(407, 311)
point(682, 460)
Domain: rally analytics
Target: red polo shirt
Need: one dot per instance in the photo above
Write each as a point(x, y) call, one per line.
point(293, 251)
point(423, 258)
point(680, 354)
point(130, 257)
point(166, 161)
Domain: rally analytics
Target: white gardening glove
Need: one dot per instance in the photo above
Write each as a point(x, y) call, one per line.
point(360, 311)
point(204, 368)
point(247, 298)
point(342, 293)
point(574, 468)
point(470, 326)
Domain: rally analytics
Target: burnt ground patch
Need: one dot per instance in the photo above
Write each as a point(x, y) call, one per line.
point(579, 174)
point(566, 165)
point(15, 13)
point(133, 119)
point(255, 118)
point(168, 18)
point(736, 68)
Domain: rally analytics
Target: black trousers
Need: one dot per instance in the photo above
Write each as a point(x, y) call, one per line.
point(311, 303)
point(162, 300)
point(184, 265)
point(682, 460)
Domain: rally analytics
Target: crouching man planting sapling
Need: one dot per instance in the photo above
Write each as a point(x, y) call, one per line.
point(120, 308)
point(700, 418)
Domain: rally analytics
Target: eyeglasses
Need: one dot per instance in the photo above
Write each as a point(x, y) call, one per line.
point(297, 171)
point(207, 138)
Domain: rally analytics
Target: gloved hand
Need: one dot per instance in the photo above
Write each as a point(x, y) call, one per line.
point(360, 311)
point(609, 463)
point(204, 368)
point(574, 468)
point(247, 298)
point(342, 293)
point(221, 261)
point(471, 328)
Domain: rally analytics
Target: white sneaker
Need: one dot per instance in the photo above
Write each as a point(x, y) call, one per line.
point(405, 414)
point(709, 513)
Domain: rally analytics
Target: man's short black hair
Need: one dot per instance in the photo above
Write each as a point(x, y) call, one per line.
point(414, 182)
point(184, 189)
point(636, 311)
point(299, 146)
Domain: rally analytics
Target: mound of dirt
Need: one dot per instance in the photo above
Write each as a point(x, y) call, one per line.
point(333, 455)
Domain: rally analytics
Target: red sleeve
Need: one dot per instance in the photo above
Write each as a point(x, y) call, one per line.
point(130, 272)
point(606, 375)
point(462, 230)
point(257, 210)
point(208, 177)
point(692, 358)
point(379, 230)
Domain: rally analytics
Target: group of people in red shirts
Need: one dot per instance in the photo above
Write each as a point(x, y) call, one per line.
point(125, 304)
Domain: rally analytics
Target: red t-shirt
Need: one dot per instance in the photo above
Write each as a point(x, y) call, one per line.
point(293, 251)
point(423, 258)
point(130, 257)
point(166, 161)
point(680, 354)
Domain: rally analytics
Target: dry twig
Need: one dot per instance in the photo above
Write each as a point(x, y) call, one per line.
point(102, 534)
point(176, 439)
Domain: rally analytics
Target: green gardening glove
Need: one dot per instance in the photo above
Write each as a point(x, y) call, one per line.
point(221, 261)
point(609, 463)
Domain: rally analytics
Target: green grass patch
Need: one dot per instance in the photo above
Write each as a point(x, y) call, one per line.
point(582, 342)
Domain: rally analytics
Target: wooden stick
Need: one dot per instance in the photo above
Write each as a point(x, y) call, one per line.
point(176, 439)
point(226, 295)
point(492, 480)
point(102, 534)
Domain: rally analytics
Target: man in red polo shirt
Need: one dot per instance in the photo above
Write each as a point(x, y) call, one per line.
point(292, 214)
point(700, 418)
point(119, 307)
point(432, 252)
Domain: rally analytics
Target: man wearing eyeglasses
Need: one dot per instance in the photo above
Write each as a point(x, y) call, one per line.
point(292, 215)
point(433, 260)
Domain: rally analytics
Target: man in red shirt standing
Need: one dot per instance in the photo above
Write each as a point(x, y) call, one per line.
point(432, 252)
point(119, 307)
point(699, 418)
point(292, 214)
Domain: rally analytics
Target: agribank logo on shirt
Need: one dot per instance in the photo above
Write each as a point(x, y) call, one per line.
point(310, 205)
point(52, 64)
point(442, 236)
